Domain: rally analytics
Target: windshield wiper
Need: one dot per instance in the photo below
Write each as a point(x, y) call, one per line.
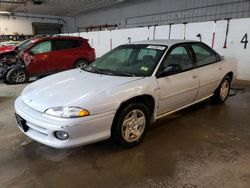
point(92, 69)
point(126, 74)
point(116, 73)
point(108, 72)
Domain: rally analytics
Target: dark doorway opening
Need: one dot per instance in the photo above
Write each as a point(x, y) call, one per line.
point(46, 28)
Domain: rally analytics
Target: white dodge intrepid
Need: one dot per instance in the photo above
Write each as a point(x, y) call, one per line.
point(122, 92)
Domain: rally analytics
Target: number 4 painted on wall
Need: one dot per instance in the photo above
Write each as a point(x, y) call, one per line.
point(244, 41)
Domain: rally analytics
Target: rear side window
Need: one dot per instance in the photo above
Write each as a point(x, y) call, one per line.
point(204, 55)
point(65, 44)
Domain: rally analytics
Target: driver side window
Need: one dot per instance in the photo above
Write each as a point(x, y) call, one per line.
point(42, 47)
point(178, 56)
point(177, 60)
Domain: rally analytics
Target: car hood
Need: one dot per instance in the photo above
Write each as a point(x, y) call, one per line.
point(69, 88)
point(5, 49)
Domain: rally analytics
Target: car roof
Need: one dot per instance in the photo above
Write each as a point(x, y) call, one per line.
point(164, 42)
point(56, 37)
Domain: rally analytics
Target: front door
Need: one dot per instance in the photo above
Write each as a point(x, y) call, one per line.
point(39, 58)
point(179, 87)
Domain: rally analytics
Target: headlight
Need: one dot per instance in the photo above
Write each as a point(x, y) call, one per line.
point(67, 112)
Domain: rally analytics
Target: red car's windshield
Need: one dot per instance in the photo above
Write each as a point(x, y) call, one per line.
point(25, 44)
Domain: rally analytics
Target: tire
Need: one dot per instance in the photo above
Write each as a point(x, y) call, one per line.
point(17, 75)
point(131, 133)
point(81, 64)
point(222, 92)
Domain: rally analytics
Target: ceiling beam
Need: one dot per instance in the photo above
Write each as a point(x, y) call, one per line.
point(13, 2)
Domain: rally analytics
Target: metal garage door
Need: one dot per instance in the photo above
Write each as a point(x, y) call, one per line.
point(46, 28)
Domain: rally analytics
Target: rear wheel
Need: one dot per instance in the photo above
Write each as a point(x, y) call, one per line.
point(130, 125)
point(17, 75)
point(222, 92)
point(81, 64)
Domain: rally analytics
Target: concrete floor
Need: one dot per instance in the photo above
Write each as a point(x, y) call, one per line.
point(203, 146)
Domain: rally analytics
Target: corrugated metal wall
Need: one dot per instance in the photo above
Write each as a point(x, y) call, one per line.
point(138, 13)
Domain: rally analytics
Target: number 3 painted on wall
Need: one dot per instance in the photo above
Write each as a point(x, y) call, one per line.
point(244, 41)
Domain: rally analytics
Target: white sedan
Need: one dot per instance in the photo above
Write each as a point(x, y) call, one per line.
point(121, 93)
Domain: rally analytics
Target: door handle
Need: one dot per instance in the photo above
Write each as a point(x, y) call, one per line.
point(195, 76)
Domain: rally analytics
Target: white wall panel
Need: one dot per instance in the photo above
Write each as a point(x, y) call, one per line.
point(104, 43)
point(123, 36)
point(177, 31)
point(93, 39)
point(237, 29)
point(220, 34)
point(84, 35)
point(205, 29)
point(161, 32)
point(75, 34)
point(100, 40)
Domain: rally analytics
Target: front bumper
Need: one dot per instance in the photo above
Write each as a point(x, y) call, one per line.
point(81, 131)
point(2, 72)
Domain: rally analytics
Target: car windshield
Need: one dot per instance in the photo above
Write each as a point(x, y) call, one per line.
point(129, 60)
point(23, 45)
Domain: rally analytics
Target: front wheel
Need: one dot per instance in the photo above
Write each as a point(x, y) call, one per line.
point(222, 92)
point(81, 64)
point(130, 125)
point(17, 75)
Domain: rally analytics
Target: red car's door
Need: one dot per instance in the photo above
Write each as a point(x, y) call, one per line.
point(64, 53)
point(38, 58)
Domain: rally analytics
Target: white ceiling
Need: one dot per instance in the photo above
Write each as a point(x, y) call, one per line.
point(56, 7)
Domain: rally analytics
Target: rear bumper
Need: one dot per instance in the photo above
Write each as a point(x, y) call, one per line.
point(81, 131)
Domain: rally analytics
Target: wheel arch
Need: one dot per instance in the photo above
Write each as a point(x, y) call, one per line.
point(146, 99)
point(230, 75)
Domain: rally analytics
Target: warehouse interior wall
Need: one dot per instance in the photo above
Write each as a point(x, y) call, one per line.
point(222, 24)
point(141, 13)
point(22, 23)
point(228, 37)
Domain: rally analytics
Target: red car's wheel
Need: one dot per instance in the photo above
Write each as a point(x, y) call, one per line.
point(17, 75)
point(81, 64)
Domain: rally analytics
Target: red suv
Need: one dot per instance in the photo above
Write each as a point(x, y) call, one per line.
point(47, 55)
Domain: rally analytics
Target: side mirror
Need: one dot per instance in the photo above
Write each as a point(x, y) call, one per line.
point(171, 69)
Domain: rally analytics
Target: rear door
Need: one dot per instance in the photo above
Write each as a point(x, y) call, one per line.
point(39, 58)
point(180, 88)
point(65, 53)
point(209, 68)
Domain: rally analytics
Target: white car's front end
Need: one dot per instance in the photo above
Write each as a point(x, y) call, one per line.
point(63, 132)
point(64, 111)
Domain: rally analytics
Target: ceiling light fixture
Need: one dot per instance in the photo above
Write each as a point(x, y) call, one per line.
point(5, 13)
point(37, 2)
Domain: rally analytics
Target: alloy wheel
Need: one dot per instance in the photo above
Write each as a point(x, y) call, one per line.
point(18, 77)
point(224, 90)
point(133, 125)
